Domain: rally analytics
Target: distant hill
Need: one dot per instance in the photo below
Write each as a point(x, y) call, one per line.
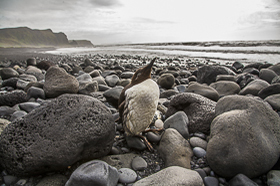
point(26, 37)
point(80, 43)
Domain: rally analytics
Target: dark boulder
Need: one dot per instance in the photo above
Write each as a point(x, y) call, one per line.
point(204, 90)
point(57, 134)
point(58, 82)
point(8, 72)
point(270, 90)
point(208, 74)
point(244, 137)
point(12, 98)
point(199, 109)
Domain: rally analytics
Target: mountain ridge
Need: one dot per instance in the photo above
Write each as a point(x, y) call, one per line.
point(27, 37)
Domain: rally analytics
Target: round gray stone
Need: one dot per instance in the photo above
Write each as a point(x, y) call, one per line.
point(127, 175)
point(139, 164)
point(95, 172)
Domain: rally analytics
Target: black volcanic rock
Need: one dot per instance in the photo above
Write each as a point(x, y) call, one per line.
point(57, 134)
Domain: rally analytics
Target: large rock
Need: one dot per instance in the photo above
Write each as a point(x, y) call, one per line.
point(31, 70)
point(166, 80)
point(275, 68)
point(208, 74)
point(270, 90)
point(274, 101)
point(95, 172)
point(13, 98)
point(199, 109)
point(254, 87)
point(58, 82)
point(8, 72)
point(241, 179)
point(57, 134)
point(273, 178)
point(203, 90)
point(244, 138)
point(112, 80)
point(31, 61)
point(45, 65)
point(174, 175)
point(244, 79)
point(174, 149)
point(267, 74)
point(225, 88)
point(113, 95)
point(178, 121)
point(11, 82)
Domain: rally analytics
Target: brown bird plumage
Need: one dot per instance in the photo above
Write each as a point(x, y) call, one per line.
point(138, 102)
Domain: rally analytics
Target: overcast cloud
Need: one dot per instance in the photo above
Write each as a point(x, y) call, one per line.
point(130, 21)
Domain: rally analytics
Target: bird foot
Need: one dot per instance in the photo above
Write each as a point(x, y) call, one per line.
point(147, 143)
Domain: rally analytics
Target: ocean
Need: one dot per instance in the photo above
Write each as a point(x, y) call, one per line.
point(220, 52)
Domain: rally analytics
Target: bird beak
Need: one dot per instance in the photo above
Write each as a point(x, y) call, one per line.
point(152, 63)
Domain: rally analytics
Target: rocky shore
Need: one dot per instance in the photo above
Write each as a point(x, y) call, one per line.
point(58, 122)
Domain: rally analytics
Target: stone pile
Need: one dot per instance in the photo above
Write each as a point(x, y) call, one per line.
point(221, 123)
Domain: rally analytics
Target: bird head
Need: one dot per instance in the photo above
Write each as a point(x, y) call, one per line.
point(143, 73)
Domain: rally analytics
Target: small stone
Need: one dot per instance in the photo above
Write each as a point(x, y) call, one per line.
point(200, 135)
point(120, 161)
point(95, 172)
point(13, 98)
point(8, 72)
point(139, 164)
point(273, 178)
point(18, 114)
point(222, 180)
point(21, 84)
point(201, 172)
point(6, 111)
point(127, 75)
point(178, 121)
point(127, 175)
point(166, 80)
point(135, 142)
point(173, 175)
point(211, 181)
point(199, 152)
point(84, 78)
point(112, 80)
point(152, 137)
point(21, 182)
point(125, 150)
point(28, 106)
point(112, 95)
point(3, 124)
point(35, 92)
point(198, 142)
point(241, 179)
point(31, 61)
point(9, 180)
point(114, 151)
point(159, 123)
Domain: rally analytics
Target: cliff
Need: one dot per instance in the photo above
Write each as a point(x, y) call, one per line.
point(26, 37)
point(80, 43)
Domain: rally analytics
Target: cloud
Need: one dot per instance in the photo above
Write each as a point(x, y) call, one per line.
point(151, 21)
point(105, 3)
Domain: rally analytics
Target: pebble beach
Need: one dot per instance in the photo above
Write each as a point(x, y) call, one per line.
point(58, 120)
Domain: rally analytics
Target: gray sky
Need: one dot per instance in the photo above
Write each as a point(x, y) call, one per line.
point(131, 21)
